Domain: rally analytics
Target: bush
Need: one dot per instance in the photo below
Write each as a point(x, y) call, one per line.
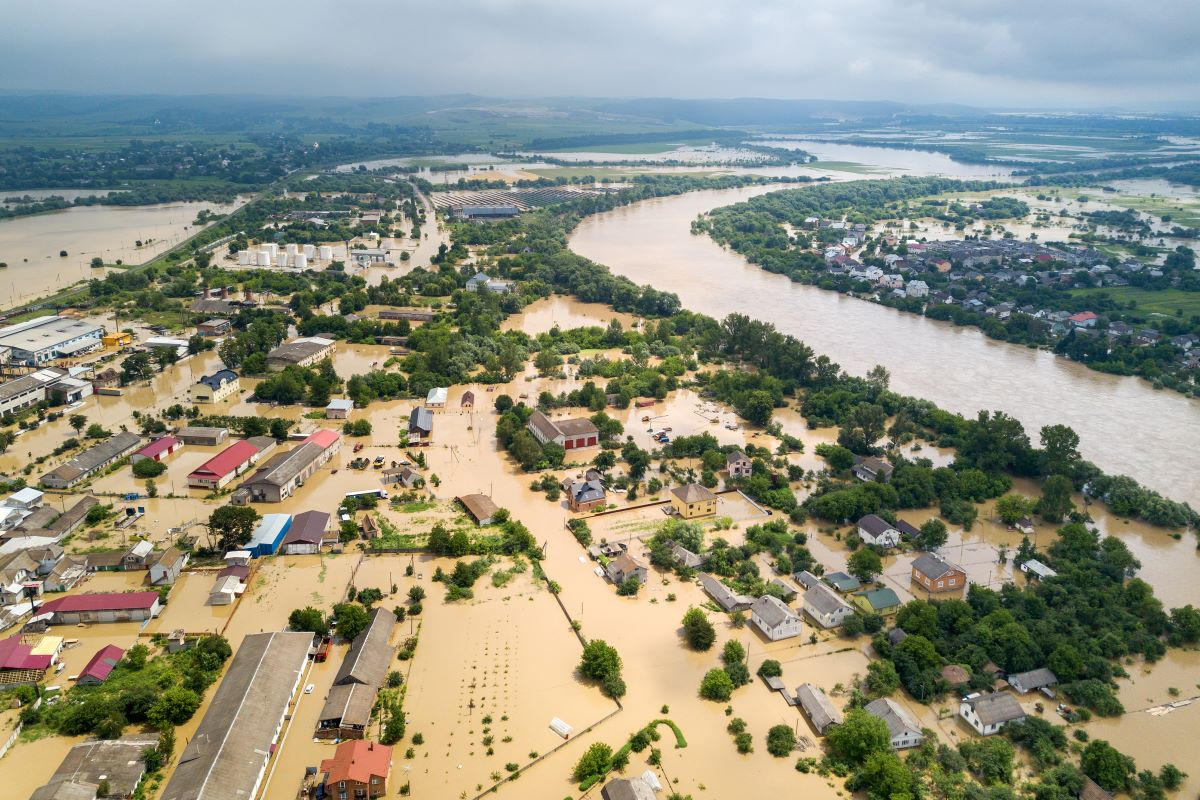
point(595, 761)
point(716, 686)
point(770, 669)
point(781, 740)
point(744, 743)
point(148, 468)
point(697, 630)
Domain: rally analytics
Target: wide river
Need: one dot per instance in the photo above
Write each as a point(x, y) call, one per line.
point(1124, 425)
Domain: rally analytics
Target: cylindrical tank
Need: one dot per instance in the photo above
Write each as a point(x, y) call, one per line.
point(244, 257)
point(300, 261)
point(264, 258)
point(291, 249)
point(281, 260)
point(326, 252)
point(271, 248)
point(309, 251)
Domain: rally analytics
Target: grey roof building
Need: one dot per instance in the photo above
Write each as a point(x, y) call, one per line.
point(226, 758)
point(91, 460)
point(902, 728)
point(723, 595)
point(817, 706)
point(825, 606)
point(686, 558)
point(117, 761)
point(988, 713)
point(370, 653)
point(1032, 680)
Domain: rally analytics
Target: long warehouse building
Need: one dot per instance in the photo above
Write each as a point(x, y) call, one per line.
point(227, 757)
point(43, 339)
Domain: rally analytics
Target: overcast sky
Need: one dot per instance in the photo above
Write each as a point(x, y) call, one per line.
point(1059, 53)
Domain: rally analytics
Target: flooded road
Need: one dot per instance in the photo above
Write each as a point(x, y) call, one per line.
point(1125, 426)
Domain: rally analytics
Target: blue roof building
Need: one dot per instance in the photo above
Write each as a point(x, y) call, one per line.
point(269, 533)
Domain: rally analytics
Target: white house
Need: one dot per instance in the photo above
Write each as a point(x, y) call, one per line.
point(873, 529)
point(436, 397)
point(774, 619)
point(825, 606)
point(903, 730)
point(988, 713)
point(917, 289)
point(1034, 679)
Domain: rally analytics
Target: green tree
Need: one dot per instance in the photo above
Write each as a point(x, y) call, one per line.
point(175, 706)
point(1106, 765)
point(233, 526)
point(734, 652)
point(864, 564)
point(1055, 503)
point(601, 662)
point(755, 406)
point(884, 775)
point(352, 619)
point(882, 679)
point(697, 630)
point(991, 759)
point(148, 468)
point(931, 535)
point(859, 736)
point(308, 619)
point(594, 761)
point(716, 685)
point(1012, 507)
point(781, 740)
point(77, 421)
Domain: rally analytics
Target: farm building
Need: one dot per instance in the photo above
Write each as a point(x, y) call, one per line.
point(104, 607)
point(269, 533)
point(227, 755)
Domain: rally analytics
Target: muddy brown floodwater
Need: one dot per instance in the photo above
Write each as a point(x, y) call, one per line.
point(1125, 426)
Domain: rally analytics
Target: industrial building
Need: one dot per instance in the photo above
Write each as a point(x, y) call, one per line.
point(104, 607)
point(307, 533)
point(269, 533)
point(202, 436)
point(117, 763)
point(51, 382)
point(42, 339)
point(302, 352)
point(228, 464)
point(226, 758)
point(91, 461)
point(284, 473)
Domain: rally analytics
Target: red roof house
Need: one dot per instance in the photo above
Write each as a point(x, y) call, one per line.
point(362, 764)
point(17, 655)
point(98, 669)
point(1084, 318)
point(324, 438)
point(103, 607)
point(158, 449)
point(224, 466)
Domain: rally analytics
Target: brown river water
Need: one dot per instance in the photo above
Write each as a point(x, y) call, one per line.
point(1125, 425)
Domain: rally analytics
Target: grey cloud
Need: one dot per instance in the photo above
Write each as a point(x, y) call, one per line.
point(1016, 53)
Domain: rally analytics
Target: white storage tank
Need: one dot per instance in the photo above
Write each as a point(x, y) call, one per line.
point(309, 251)
point(281, 260)
point(300, 261)
point(291, 249)
point(326, 252)
point(244, 257)
point(271, 248)
point(264, 258)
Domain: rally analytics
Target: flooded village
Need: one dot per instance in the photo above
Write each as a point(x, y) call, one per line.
point(412, 510)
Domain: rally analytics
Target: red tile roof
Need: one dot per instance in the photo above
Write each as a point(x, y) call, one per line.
point(107, 601)
point(227, 460)
point(357, 760)
point(15, 654)
point(1083, 316)
point(157, 447)
point(102, 663)
point(324, 438)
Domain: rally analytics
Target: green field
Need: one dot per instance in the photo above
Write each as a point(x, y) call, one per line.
point(1164, 302)
point(1184, 213)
